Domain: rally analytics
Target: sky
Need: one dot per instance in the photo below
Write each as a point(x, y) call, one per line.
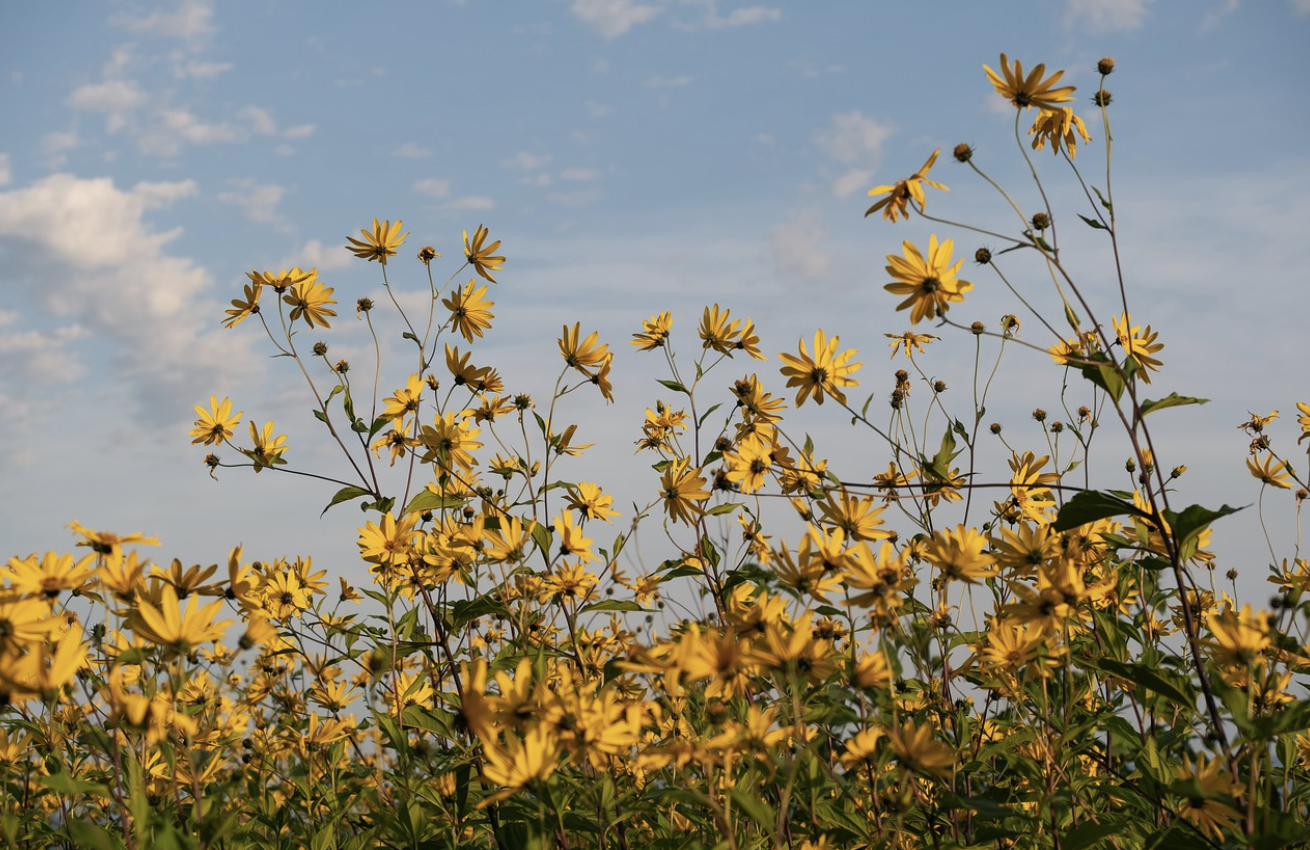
point(633, 156)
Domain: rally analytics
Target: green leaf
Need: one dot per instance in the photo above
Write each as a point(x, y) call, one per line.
point(408, 335)
point(725, 508)
point(673, 385)
point(706, 414)
point(1108, 206)
point(1145, 676)
point(1072, 318)
point(1088, 833)
point(1191, 523)
point(345, 494)
point(378, 424)
point(1091, 505)
point(426, 500)
point(349, 404)
point(1102, 372)
point(541, 534)
point(755, 808)
point(1171, 400)
point(319, 415)
point(611, 605)
point(1093, 223)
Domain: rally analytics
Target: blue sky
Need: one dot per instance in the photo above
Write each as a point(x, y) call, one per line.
point(634, 156)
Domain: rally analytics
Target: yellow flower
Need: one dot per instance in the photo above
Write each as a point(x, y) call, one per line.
point(717, 332)
point(749, 463)
point(960, 554)
point(899, 194)
point(479, 256)
point(268, 449)
point(1272, 472)
point(588, 353)
point(378, 245)
point(588, 500)
point(1304, 421)
point(215, 425)
point(1058, 127)
point(930, 283)
point(42, 669)
point(681, 487)
point(308, 300)
point(917, 750)
point(107, 542)
point(1031, 90)
point(470, 313)
point(48, 577)
point(827, 372)
point(405, 400)
point(1240, 637)
point(1139, 345)
point(571, 540)
point(912, 341)
point(177, 631)
point(520, 762)
point(450, 442)
point(1209, 780)
point(654, 331)
point(247, 307)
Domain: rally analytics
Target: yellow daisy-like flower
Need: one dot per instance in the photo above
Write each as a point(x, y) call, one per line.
point(717, 332)
point(586, 353)
point(1058, 126)
point(917, 749)
point(178, 631)
point(469, 312)
point(480, 256)
point(215, 425)
point(682, 487)
point(1031, 90)
point(247, 307)
point(961, 555)
point(911, 341)
point(1139, 345)
point(930, 283)
point(49, 576)
point(827, 372)
point(1271, 471)
point(520, 762)
point(1211, 780)
point(654, 331)
point(309, 299)
point(381, 243)
point(268, 449)
point(899, 194)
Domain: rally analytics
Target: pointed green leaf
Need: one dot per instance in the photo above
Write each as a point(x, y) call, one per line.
point(426, 500)
point(1171, 400)
point(611, 605)
point(673, 385)
point(345, 494)
point(1091, 505)
point(1093, 223)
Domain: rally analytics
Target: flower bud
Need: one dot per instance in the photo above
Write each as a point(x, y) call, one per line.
point(963, 152)
point(1039, 415)
point(1041, 221)
point(982, 256)
point(1105, 67)
point(1102, 98)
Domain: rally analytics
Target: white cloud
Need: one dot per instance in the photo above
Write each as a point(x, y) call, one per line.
point(797, 246)
point(1299, 7)
point(191, 19)
point(579, 174)
point(315, 254)
point(433, 187)
point(744, 16)
point(82, 249)
point(852, 181)
point(670, 82)
point(527, 161)
point(471, 202)
point(300, 131)
point(117, 99)
point(203, 70)
point(1101, 16)
point(612, 18)
point(5, 174)
point(409, 150)
point(258, 201)
point(853, 138)
point(46, 357)
point(811, 72)
point(542, 179)
point(56, 145)
point(260, 120)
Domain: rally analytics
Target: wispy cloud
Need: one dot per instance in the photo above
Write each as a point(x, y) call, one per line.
point(855, 140)
point(189, 20)
point(670, 82)
point(257, 200)
point(84, 255)
point(712, 19)
point(471, 203)
point(579, 174)
point(409, 150)
point(797, 246)
point(433, 187)
point(1101, 16)
point(527, 161)
point(612, 18)
point(5, 174)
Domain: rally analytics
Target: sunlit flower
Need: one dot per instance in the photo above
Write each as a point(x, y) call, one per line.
point(654, 331)
point(1205, 809)
point(587, 353)
point(911, 341)
point(469, 311)
point(267, 450)
point(1139, 345)
point(682, 487)
point(480, 256)
point(590, 502)
point(1059, 127)
point(381, 243)
point(309, 299)
point(177, 631)
point(717, 332)
point(215, 425)
point(1271, 471)
point(247, 306)
point(1031, 90)
point(827, 372)
point(930, 284)
point(899, 194)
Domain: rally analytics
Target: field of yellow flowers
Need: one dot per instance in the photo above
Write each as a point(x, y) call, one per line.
point(933, 659)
